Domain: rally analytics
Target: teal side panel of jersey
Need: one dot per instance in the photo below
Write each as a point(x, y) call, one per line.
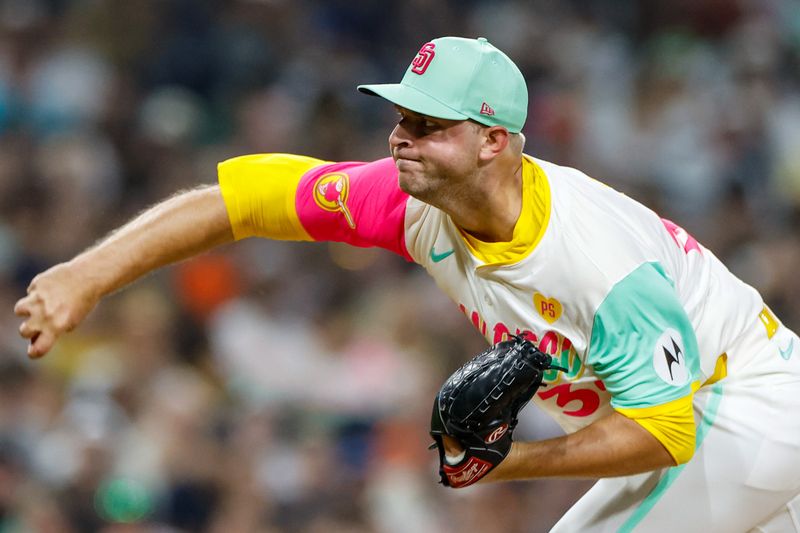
point(643, 345)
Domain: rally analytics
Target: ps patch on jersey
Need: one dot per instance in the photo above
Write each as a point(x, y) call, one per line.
point(548, 308)
point(669, 359)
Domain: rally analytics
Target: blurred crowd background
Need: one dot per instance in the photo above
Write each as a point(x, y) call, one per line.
point(284, 387)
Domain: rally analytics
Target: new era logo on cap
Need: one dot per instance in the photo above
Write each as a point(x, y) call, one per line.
point(486, 110)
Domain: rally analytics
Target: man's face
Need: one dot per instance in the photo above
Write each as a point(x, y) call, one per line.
point(434, 156)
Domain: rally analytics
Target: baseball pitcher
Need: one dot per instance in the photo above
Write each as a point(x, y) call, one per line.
point(673, 380)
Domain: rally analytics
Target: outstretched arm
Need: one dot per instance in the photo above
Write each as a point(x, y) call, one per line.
point(59, 299)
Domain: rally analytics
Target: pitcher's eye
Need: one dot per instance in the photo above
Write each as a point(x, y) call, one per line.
point(430, 126)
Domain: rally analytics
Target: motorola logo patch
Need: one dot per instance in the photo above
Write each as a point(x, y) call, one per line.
point(669, 358)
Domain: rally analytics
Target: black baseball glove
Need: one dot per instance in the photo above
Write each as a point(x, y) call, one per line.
point(478, 406)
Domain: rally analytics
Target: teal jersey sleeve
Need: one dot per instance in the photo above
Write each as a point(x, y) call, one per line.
point(643, 346)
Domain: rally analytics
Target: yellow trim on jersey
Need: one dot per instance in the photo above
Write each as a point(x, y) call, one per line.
point(720, 370)
point(259, 192)
point(530, 227)
point(671, 423)
point(769, 321)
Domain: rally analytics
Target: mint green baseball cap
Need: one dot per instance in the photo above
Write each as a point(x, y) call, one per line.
point(457, 78)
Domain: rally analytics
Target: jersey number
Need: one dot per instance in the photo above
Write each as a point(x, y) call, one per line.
point(564, 394)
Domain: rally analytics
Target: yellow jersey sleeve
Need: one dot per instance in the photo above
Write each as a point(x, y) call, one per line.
point(259, 193)
point(671, 423)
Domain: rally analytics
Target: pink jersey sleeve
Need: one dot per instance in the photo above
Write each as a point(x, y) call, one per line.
point(357, 203)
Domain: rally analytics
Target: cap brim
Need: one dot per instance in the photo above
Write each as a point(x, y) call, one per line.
point(412, 99)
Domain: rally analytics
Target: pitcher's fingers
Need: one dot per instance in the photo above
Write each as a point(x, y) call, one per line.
point(22, 307)
point(451, 445)
point(41, 344)
point(27, 330)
